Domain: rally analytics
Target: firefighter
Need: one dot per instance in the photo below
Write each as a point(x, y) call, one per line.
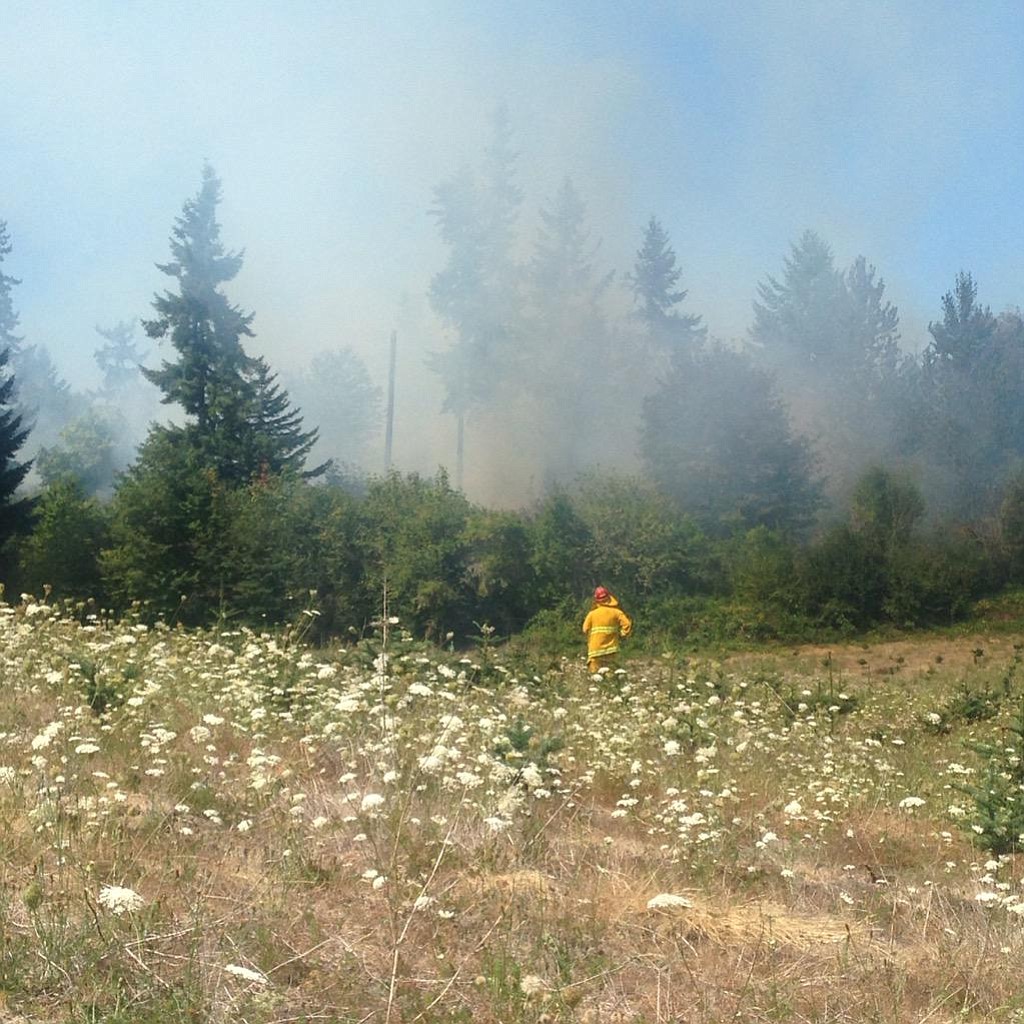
point(605, 624)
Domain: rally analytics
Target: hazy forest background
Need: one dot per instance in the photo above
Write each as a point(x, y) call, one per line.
point(815, 475)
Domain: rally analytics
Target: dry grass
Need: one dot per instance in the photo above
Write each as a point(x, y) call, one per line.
point(812, 895)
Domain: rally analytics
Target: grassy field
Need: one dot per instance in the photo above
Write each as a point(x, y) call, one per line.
point(214, 826)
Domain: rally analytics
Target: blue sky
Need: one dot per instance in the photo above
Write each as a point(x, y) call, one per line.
point(893, 129)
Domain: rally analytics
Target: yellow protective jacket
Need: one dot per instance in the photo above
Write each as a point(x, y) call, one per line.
point(605, 623)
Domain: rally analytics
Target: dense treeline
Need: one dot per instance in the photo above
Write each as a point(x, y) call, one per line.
point(192, 548)
point(814, 478)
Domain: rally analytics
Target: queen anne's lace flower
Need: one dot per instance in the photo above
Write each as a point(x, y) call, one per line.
point(120, 900)
point(246, 974)
point(668, 901)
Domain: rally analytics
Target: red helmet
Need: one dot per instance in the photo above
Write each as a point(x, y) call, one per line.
point(601, 594)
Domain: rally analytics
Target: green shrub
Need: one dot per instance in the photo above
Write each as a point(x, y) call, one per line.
point(998, 798)
point(63, 549)
point(412, 536)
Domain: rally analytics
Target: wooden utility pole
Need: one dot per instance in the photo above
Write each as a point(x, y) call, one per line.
point(460, 450)
point(389, 431)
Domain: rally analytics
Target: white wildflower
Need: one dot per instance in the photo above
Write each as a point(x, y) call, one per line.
point(531, 984)
point(120, 900)
point(246, 974)
point(667, 901)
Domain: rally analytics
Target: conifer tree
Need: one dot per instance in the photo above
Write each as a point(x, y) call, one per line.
point(278, 442)
point(14, 511)
point(566, 337)
point(120, 359)
point(9, 341)
point(656, 294)
point(41, 397)
point(831, 339)
point(238, 420)
point(476, 293)
point(717, 438)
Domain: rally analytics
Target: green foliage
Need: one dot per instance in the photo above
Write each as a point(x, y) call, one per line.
point(169, 530)
point(13, 433)
point(654, 283)
point(843, 580)
point(637, 541)
point(412, 539)
point(716, 437)
point(937, 581)
point(697, 622)
point(101, 693)
point(1011, 527)
point(560, 545)
point(521, 746)
point(998, 819)
point(967, 704)
point(555, 632)
point(885, 508)
point(86, 452)
point(14, 510)
point(965, 420)
point(762, 568)
point(499, 575)
point(291, 548)
point(63, 549)
point(240, 421)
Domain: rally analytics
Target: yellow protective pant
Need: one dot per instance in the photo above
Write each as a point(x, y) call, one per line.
point(596, 663)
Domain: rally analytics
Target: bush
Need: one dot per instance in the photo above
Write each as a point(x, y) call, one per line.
point(170, 525)
point(762, 569)
point(412, 536)
point(639, 542)
point(843, 581)
point(998, 819)
point(291, 549)
point(63, 549)
point(560, 545)
point(499, 573)
point(936, 582)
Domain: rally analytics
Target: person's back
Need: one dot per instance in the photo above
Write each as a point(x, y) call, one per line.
point(606, 623)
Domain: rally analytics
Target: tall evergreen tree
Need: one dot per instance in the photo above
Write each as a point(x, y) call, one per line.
point(717, 438)
point(42, 398)
point(9, 340)
point(120, 359)
point(965, 420)
point(278, 442)
point(568, 354)
point(337, 393)
point(14, 511)
point(475, 294)
point(227, 396)
point(654, 283)
point(831, 338)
